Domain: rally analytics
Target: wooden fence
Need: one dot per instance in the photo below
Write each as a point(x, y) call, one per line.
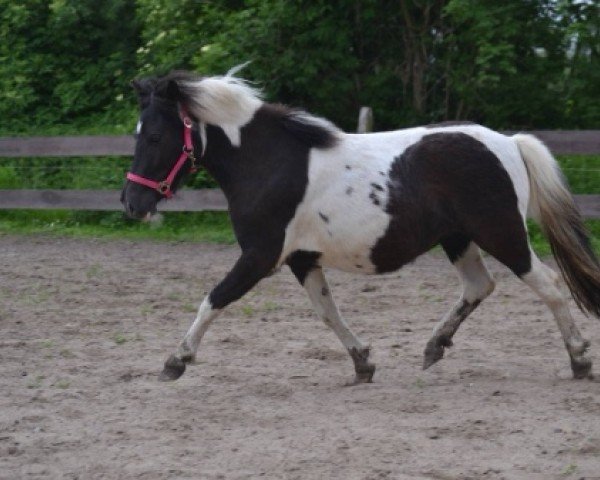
point(559, 141)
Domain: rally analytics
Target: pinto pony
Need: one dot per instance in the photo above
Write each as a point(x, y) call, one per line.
point(303, 193)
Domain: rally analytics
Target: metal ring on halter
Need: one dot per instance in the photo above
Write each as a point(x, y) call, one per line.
point(163, 187)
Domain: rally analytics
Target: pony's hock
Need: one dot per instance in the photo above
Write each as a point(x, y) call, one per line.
point(303, 193)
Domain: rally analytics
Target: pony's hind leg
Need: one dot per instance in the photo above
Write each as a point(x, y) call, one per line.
point(477, 284)
point(506, 240)
point(546, 283)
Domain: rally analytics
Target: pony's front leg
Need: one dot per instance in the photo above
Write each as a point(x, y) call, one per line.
point(250, 268)
point(318, 291)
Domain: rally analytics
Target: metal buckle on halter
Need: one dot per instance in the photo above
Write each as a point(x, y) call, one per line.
point(163, 187)
point(192, 158)
point(189, 152)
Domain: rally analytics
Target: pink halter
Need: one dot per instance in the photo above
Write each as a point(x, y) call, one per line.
point(164, 187)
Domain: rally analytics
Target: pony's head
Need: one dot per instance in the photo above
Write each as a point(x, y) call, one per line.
point(169, 105)
point(158, 146)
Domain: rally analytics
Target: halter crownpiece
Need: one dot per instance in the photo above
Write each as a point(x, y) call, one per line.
point(187, 153)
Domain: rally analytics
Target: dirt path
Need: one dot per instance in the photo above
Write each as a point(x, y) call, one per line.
point(85, 326)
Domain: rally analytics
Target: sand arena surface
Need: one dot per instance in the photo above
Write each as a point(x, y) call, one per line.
point(85, 326)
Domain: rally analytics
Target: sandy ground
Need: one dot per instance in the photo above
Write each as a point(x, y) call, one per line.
point(85, 326)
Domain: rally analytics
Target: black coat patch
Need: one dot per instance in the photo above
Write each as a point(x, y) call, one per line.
point(451, 187)
point(264, 181)
point(302, 262)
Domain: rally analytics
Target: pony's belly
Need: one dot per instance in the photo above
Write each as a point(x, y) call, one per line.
point(343, 245)
point(348, 261)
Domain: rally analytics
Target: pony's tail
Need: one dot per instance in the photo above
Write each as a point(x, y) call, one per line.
point(553, 207)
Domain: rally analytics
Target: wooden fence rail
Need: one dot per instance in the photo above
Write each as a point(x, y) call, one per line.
point(559, 141)
point(580, 142)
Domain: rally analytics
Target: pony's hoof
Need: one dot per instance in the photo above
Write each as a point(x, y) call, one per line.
point(364, 376)
point(434, 351)
point(174, 368)
point(582, 368)
point(363, 368)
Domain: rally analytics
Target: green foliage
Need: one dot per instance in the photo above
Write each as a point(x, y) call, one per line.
point(581, 23)
point(506, 50)
point(65, 62)
point(65, 65)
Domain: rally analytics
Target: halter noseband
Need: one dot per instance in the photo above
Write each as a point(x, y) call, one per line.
point(164, 187)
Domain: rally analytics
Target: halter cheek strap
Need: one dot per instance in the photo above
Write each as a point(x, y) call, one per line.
point(164, 187)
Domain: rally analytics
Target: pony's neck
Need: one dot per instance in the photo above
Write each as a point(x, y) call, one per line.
point(218, 156)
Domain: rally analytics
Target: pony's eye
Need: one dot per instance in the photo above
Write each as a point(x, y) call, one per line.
point(154, 138)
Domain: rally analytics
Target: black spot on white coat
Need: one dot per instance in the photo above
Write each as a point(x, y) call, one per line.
point(324, 217)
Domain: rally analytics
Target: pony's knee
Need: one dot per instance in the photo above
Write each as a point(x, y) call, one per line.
point(477, 281)
point(478, 291)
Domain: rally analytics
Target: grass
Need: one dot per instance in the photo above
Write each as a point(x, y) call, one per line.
point(47, 343)
point(119, 338)
point(569, 470)
point(62, 384)
point(213, 227)
point(542, 247)
point(36, 382)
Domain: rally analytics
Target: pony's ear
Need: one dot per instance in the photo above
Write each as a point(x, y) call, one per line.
point(168, 89)
point(144, 88)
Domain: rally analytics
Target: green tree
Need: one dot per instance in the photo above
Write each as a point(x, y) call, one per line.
point(65, 60)
point(66, 64)
point(581, 23)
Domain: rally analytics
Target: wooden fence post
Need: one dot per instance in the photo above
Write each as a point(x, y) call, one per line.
point(365, 120)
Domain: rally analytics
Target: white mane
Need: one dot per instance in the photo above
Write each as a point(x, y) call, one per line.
point(230, 102)
point(226, 101)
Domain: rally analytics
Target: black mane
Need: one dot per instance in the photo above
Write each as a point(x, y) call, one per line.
point(312, 131)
